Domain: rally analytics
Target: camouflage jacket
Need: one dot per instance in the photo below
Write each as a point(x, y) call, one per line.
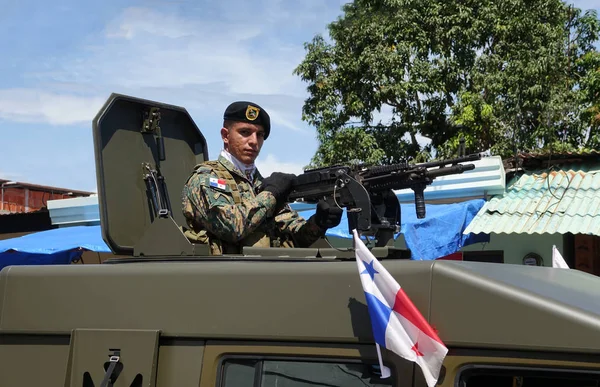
point(222, 209)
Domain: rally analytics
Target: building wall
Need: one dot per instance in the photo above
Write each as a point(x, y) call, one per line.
point(516, 246)
point(23, 199)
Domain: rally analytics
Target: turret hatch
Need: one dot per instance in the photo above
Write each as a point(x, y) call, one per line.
point(145, 151)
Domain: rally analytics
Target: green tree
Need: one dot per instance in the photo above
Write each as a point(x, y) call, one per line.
point(502, 74)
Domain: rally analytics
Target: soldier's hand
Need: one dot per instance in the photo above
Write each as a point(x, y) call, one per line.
point(327, 216)
point(279, 184)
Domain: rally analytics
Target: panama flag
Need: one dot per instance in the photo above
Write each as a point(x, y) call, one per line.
point(397, 324)
point(218, 183)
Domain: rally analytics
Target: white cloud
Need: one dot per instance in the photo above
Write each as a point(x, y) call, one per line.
point(270, 163)
point(135, 21)
point(202, 64)
point(145, 48)
point(31, 105)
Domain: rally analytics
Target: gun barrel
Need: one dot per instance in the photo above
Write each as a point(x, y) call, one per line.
point(381, 170)
point(452, 170)
point(472, 157)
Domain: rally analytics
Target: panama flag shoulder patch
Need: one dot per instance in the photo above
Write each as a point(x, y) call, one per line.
point(218, 183)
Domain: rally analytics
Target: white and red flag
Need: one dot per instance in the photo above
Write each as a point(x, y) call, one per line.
point(397, 324)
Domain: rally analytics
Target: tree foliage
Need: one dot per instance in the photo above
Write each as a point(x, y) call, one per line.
point(505, 75)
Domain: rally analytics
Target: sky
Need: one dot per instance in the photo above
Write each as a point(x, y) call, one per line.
point(60, 63)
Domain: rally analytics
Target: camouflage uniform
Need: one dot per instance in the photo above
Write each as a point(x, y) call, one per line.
point(230, 216)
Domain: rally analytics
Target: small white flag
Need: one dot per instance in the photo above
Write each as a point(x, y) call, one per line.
point(557, 259)
point(397, 324)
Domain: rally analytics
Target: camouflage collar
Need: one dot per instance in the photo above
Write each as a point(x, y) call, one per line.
point(232, 168)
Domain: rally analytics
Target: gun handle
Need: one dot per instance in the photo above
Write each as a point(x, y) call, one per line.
point(419, 200)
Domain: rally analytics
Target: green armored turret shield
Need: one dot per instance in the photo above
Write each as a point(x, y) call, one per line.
point(144, 152)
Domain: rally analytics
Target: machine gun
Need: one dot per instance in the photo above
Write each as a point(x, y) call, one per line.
point(367, 192)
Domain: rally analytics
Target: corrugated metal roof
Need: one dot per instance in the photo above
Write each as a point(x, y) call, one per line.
point(40, 187)
point(546, 159)
point(559, 201)
point(546, 154)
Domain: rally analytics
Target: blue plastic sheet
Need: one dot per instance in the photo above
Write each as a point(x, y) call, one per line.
point(439, 234)
point(57, 240)
point(52, 247)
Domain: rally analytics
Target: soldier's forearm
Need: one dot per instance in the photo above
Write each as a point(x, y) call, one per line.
point(233, 223)
point(309, 233)
point(305, 232)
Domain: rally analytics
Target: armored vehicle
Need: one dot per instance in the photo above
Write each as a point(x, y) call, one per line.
point(167, 313)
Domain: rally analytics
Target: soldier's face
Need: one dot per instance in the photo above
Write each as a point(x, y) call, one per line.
point(243, 140)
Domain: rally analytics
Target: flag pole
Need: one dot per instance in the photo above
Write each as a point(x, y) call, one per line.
point(385, 371)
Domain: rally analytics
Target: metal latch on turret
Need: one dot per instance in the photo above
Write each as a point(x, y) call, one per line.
point(158, 194)
point(151, 120)
point(151, 125)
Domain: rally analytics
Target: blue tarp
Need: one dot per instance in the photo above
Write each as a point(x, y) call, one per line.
point(57, 240)
point(439, 234)
point(11, 258)
point(57, 246)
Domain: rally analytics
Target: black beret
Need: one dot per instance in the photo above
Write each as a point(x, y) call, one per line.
point(245, 111)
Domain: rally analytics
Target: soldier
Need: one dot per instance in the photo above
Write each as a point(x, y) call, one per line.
point(220, 199)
